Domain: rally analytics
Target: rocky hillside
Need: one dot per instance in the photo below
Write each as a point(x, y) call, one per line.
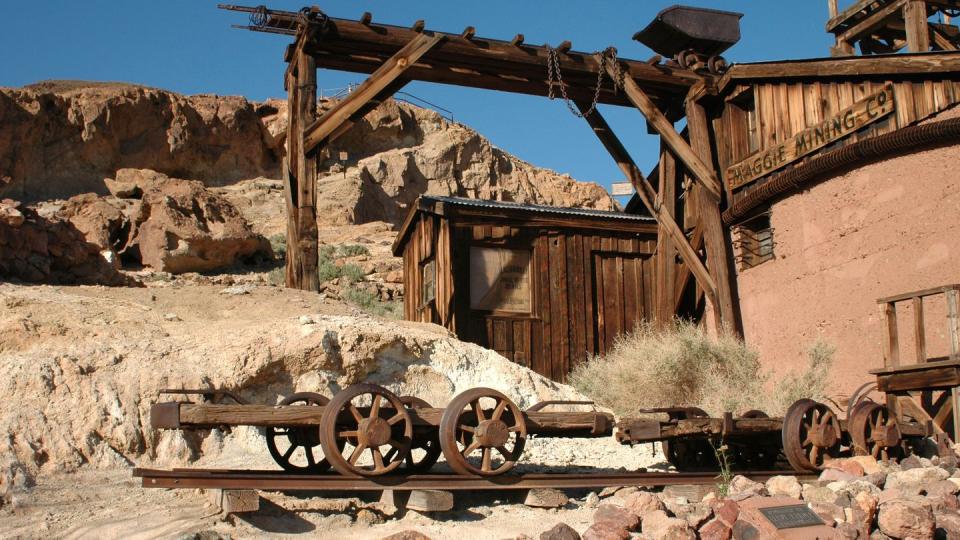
point(62, 138)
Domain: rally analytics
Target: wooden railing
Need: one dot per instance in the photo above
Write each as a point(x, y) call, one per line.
point(891, 340)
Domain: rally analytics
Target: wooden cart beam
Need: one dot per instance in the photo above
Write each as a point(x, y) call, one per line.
point(380, 80)
point(701, 172)
point(648, 195)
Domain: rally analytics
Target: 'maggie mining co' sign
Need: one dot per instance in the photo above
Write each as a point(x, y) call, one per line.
point(864, 112)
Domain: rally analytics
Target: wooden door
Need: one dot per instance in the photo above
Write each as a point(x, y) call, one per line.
point(508, 336)
point(624, 295)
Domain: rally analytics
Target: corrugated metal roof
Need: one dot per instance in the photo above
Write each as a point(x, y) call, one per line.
point(537, 208)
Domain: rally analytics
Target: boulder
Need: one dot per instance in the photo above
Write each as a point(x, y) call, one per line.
point(902, 518)
point(812, 493)
point(787, 486)
point(741, 487)
point(183, 227)
point(831, 514)
point(560, 531)
point(616, 516)
point(850, 466)
point(658, 525)
point(727, 511)
point(948, 525)
point(101, 221)
point(642, 503)
point(917, 477)
point(545, 498)
point(603, 530)
point(869, 464)
point(715, 530)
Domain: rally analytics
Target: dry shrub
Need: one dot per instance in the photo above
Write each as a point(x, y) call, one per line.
point(685, 366)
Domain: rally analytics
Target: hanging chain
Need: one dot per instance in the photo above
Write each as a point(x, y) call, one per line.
point(554, 78)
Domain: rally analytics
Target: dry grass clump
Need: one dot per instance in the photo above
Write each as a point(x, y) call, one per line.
point(684, 366)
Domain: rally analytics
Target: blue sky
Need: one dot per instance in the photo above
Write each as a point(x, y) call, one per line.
point(188, 46)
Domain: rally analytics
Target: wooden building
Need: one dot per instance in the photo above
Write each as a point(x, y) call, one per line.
point(543, 286)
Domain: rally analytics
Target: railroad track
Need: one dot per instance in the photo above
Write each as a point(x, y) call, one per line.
point(281, 481)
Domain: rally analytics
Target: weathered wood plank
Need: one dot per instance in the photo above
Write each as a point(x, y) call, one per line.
point(915, 20)
point(703, 173)
point(919, 334)
point(891, 342)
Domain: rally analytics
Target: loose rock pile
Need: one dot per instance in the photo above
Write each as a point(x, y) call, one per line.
point(41, 250)
point(858, 498)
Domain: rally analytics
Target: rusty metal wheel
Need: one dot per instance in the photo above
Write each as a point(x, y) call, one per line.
point(756, 454)
point(425, 448)
point(482, 433)
point(357, 430)
point(283, 442)
point(811, 435)
point(694, 454)
point(688, 59)
point(874, 431)
point(717, 65)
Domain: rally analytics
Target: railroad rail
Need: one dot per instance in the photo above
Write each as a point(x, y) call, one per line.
point(284, 481)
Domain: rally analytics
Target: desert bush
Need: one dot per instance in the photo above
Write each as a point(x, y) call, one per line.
point(352, 250)
point(277, 277)
point(328, 269)
point(278, 243)
point(368, 301)
point(684, 366)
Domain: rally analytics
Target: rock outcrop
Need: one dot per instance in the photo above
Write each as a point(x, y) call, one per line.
point(82, 399)
point(41, 250)
point(61, 139)
point(180, 226)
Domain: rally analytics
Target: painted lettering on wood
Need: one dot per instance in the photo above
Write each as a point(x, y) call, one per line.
point(860, 114)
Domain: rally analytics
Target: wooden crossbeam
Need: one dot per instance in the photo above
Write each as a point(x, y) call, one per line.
point(701, 172)
point(871, 23)
point(648, 195)
point(388, 73)
point(941, 40)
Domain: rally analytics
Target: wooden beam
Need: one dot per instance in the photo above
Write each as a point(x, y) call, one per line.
point(366, 18)
point(871, 23)
point(919, 334)
point(666, 263)
point(683, 273)
point(942, 41)
point(832, 8)
point(714, 233)
point(891, 342)
point(703, 174)
point(377, 82)
point(468, 32)
point(648, 195)
point(289, 173)
point(305, 272)
point(918, 34)
point(857, 66)
point(517, 40)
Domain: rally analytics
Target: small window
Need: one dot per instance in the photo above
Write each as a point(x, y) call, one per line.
point(754, 242)
point(500, 280)
point(428, 275)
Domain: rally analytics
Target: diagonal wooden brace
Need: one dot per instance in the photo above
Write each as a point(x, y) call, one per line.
point(701, 172)
point(648, 195)
point(383, 78)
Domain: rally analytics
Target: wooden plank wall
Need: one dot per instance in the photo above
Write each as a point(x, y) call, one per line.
point(565, 327)
point(784, 109)
point(430, 238)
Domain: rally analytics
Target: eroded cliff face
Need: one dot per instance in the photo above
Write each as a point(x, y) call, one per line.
point(63, 138)
point(59, 139)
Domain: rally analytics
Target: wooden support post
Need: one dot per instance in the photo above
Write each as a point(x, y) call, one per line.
point(953, 322)
point(648, 195)
point(381, 79)
point(666, 251)
point(915, 19)
point(714, 233)
point(304, 273)
point(919, 335)
point(833, 8)
point(290, 180)
point(891, 342)
point(704, 174)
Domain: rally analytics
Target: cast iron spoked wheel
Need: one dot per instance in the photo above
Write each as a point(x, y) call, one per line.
point(811, 435)
point(361, 436)
point(688, 59)
point(304, 439)
point(717, 65)
point(482, 433)
point(689, 454)
point(425, 448)
point(756, 455)
point(874, 431)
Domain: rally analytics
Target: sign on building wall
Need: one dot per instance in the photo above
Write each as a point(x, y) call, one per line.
point(500, 280)
point(836, 127)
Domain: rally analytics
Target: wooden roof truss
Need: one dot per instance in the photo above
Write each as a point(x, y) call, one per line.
point(394, 55)
point(887, 26)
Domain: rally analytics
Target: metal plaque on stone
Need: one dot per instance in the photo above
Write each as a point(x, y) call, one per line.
point(791, 516)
